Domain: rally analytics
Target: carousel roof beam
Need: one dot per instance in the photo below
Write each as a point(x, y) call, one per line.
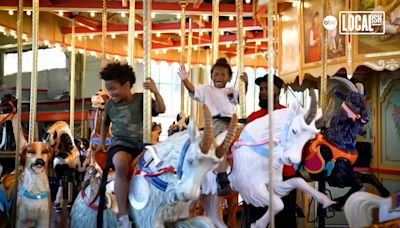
point(85, 23)
point(231, 40)
point(170, 27)
point(116, 7)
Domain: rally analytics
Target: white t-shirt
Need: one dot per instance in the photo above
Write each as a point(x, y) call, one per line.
point(220, 101)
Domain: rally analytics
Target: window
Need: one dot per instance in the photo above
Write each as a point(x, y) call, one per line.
point(168, 83)
point(51, 58)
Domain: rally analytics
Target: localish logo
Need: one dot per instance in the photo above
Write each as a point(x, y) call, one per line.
point(362, 22)
point(329, 22)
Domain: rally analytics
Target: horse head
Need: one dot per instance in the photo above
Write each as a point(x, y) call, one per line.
point(65, 149)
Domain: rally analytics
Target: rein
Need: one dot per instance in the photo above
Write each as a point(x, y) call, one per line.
point(153, 176)
point(264, 141)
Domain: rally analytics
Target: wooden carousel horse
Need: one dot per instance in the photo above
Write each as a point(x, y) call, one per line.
point(292, 129)
point(330, 156)
point(358, 210)
point(70, 159)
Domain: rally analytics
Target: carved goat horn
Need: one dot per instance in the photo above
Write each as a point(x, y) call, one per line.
point(348, 84)
point(310, 115)
point(326, 115)
point(360, 87)
point(226, 144)
point(208, 136)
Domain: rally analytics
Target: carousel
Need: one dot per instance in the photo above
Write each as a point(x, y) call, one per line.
point(229, 113)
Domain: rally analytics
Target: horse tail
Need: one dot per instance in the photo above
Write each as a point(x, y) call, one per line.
point(358, 208)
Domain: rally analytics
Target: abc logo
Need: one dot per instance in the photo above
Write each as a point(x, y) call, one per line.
point(329, 22)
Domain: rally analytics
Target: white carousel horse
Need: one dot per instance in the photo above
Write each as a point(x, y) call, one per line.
point(358, 209)
point(250, 171)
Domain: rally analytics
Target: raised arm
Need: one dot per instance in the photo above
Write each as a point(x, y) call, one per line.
point(185, 79)
point(151, 85)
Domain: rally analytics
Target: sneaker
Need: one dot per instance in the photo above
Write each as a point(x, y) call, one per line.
point(124, 222)
point(224, 185)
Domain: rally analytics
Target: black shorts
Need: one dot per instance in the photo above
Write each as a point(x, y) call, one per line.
point(134, 152)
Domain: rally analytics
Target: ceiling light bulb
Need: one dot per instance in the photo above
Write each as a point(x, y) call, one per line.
point(153, 15)
point(123, 14)
point(28, 12)
point(79, 37)
point(231, 17)
point(10, 12)
point(221, 33)
point(60, 13)
point(158, 34)
point(113, 36)
point(178, 15)
point(228, 45)
point(91, 37)
point(258, 43)
point(205, 17)
point(136, 35)
point(92, 14)
point(248, 1)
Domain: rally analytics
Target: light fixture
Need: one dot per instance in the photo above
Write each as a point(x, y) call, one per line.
point(201, 33)
point(11, 12)
point(179, 49)
point(79, 37)
point(231, 17)
point(164, 51)
point(46, 42)
point(136, 35)
point(221, 33)
point(158, 34)
point(153, 15)
point(91, 36)
point(92, 14)
point(205, 17)
point(178, 15)
point(248, 1)
point(228, 45)
point(258, 43)
point(28, 12)
point(113, 36)
point(180, 33)
point(195, 48)
point(294, 4)
point(123, 14)
point(60, 13)
point(24, 37)
point(2, 29)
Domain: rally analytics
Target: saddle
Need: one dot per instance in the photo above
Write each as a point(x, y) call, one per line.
point(314, 163)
